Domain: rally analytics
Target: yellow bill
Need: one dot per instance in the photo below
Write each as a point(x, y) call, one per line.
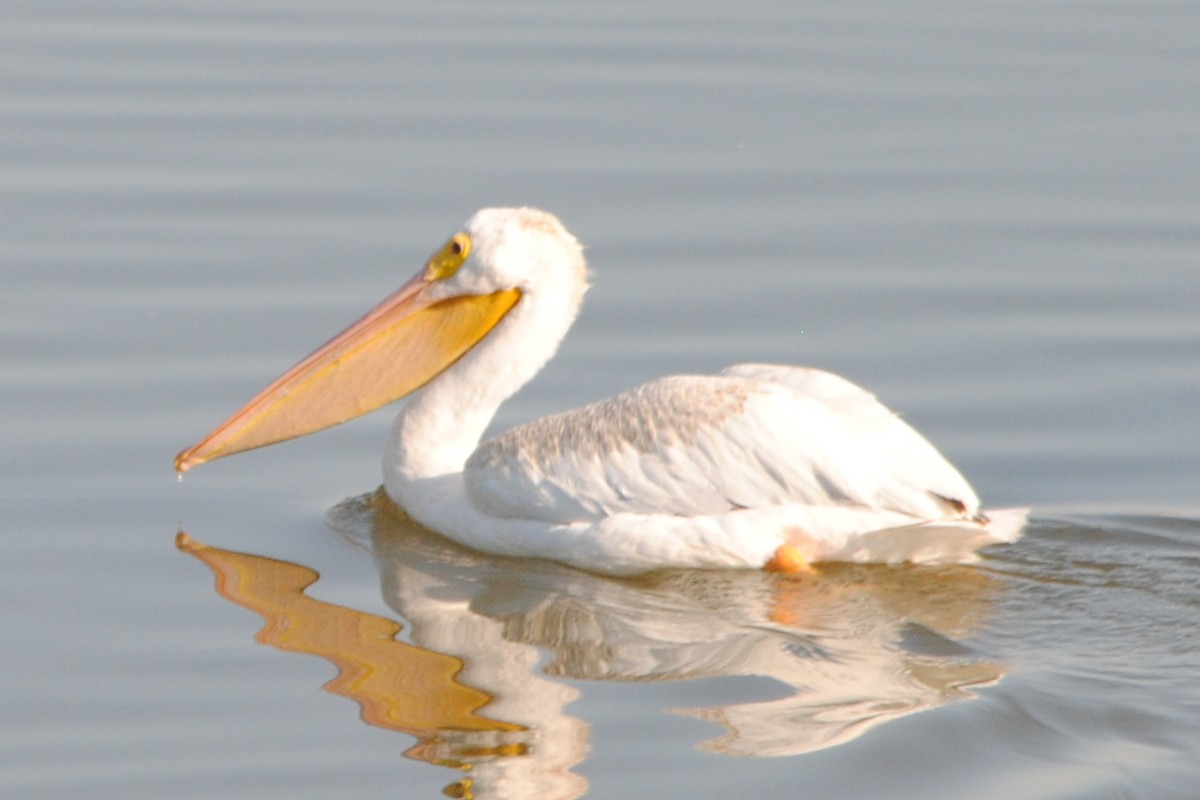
point(395, 349)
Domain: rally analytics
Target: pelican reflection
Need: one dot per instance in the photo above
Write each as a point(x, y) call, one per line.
point(498, 648)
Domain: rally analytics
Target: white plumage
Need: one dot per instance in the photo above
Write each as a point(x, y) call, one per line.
point(756, 435)
point(758, 466)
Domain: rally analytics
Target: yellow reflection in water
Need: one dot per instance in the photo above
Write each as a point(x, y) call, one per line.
point(850, 648)
point(398, 686)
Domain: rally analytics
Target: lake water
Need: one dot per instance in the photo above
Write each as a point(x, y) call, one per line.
point(987, 213)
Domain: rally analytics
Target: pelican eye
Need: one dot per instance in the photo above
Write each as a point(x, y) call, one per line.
point(445, 262)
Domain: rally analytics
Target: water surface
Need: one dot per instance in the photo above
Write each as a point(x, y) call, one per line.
point(986, 214)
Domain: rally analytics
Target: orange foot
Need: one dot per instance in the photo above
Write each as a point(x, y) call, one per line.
point(790, 559)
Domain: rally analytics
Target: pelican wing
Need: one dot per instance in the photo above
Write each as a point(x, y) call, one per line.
point(753, 436)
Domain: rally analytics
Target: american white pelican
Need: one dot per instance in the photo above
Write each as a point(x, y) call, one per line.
point(760, 466)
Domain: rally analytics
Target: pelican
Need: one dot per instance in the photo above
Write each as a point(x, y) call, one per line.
point(759, 466)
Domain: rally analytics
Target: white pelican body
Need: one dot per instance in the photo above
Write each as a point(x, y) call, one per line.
point(759, 466)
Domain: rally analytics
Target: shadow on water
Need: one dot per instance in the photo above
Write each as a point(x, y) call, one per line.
point(495, 645)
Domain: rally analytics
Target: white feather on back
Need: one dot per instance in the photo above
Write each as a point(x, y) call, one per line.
point(754, 436)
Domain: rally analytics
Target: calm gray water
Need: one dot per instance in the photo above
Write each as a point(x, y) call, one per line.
point(987, 213)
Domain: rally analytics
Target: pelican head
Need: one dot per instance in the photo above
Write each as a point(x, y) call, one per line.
point(505, 263)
